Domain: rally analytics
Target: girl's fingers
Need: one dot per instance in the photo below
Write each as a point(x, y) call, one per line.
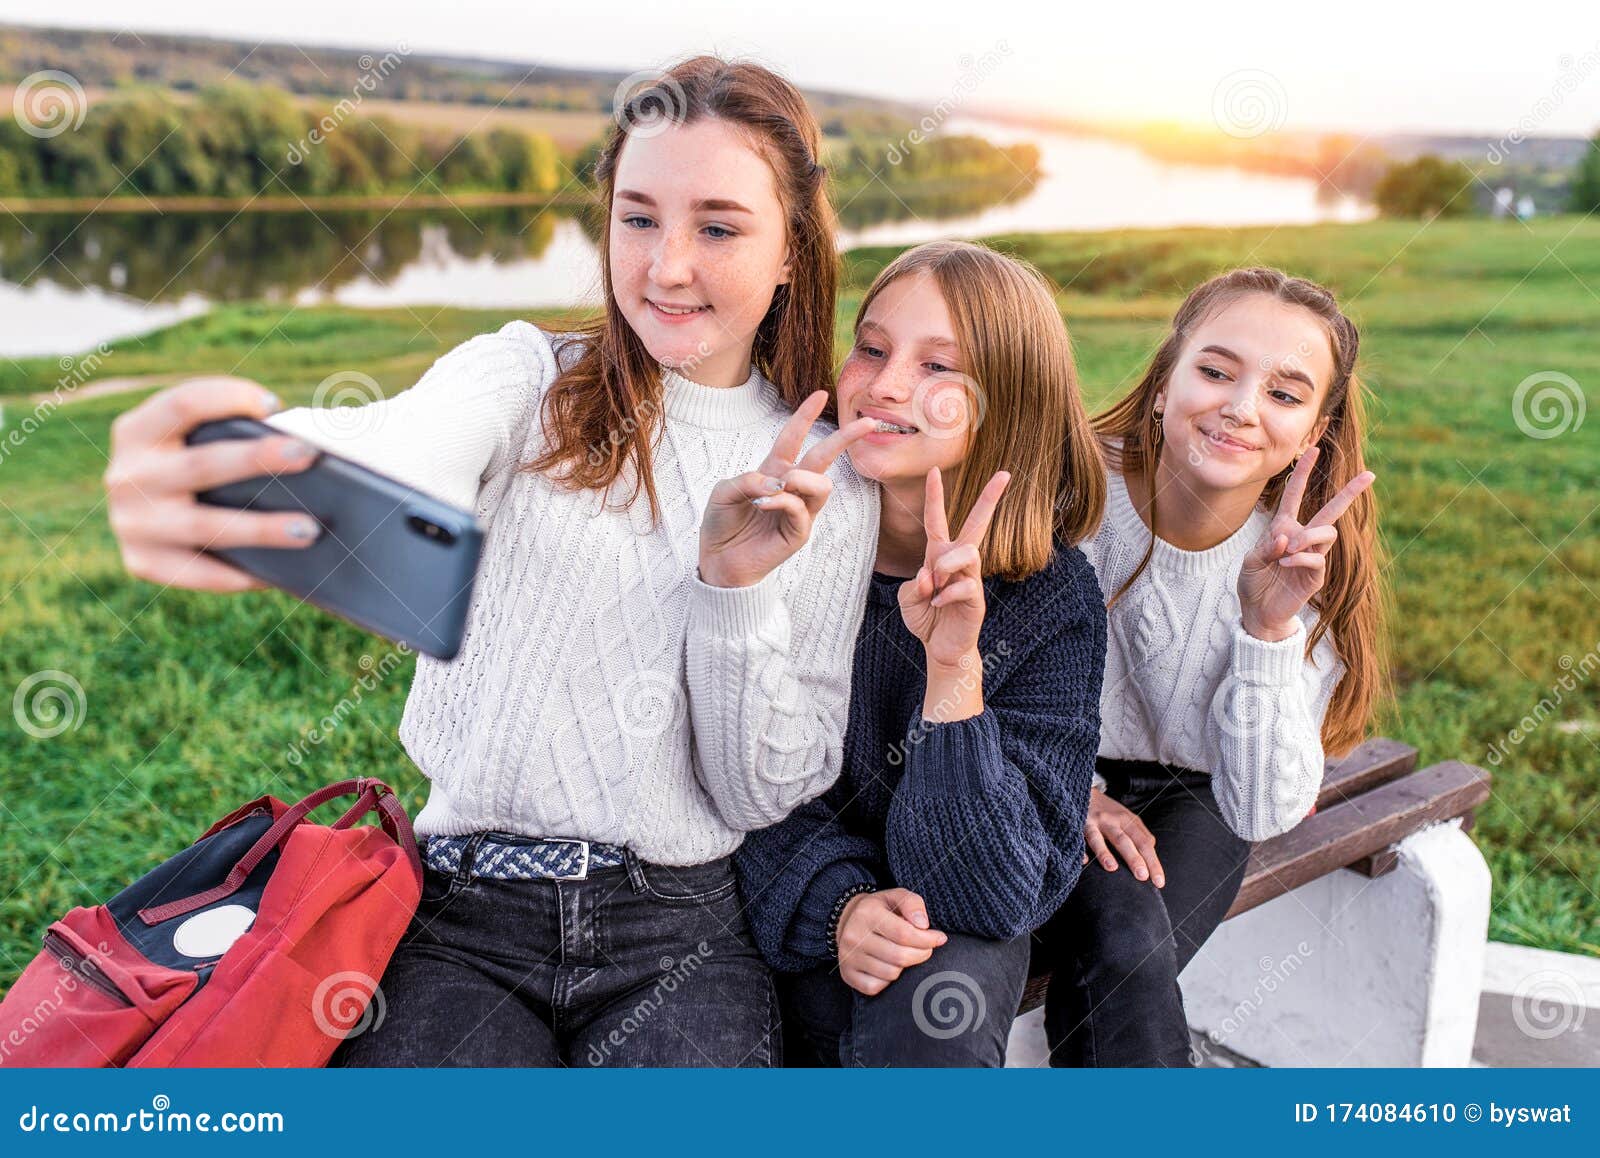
point(963, 558)
point(217, 463)
point(170, 414)
point(177, 567)
point(791, 507)
point(900, 956)
point(1294, 491)
point(933, 520)
point(962, 590)
point(821, 456)
point(812, 487)
point(750, 485)
point(982, 513)
point(791, 439)
point(1308, 560)
point(1318, 538)
point(198, 526)
point(1096, 843)
point(1340, 502)
point(1130, 853)
point(893, 927)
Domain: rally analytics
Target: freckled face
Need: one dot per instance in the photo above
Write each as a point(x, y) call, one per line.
point(906, 370)
point(1243, 399)
point(698, 246)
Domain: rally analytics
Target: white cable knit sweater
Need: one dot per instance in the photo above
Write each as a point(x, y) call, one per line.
point(1185, 684)
point(602, 691)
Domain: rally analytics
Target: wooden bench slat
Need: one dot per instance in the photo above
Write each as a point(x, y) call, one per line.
point(1374, 762)
point(1359, 827)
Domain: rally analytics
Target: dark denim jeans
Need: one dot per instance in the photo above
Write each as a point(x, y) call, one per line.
point(638, 965)
point(1116, 946)
point(955, 1009)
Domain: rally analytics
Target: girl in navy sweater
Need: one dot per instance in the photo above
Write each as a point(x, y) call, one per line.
point(897, 906)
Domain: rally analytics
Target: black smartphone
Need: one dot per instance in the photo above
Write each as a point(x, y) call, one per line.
point(390, 559)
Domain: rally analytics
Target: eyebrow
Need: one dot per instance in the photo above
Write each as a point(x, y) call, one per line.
point(713, 204)
point(941, 343)
point(1296, 375)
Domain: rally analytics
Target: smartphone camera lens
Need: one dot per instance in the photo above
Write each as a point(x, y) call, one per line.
point(431, 530)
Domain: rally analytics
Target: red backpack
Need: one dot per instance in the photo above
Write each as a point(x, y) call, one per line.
point(260, 944)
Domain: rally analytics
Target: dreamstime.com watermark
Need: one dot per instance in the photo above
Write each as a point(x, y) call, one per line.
point(968, 681)
point(75, 371)
point(372, 72)
point(49, 103)
point(374, 672)
point(673, 974)
point(1249, 103)
point(160, 1118)
point(48, 703)
point(1574, 71)
point(974, 71)
point(46, 1007)
point(1585, 666)
point(1273, 975)
point(1548, 404)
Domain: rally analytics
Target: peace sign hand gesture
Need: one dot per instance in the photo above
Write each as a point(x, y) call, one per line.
point(756, 520)
point(943, 605)
point(1289, 565)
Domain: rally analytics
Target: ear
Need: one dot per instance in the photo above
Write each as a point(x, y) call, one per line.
point(786, 270)
point(1316, 434)
point(1161, 401)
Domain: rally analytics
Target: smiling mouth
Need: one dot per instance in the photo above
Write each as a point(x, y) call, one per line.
point(886, 427)
point(1224, 441)
point(677, 311)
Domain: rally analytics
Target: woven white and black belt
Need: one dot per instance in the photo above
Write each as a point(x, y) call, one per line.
point(522, 860)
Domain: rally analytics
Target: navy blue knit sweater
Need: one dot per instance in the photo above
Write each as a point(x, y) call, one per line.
point(982, 817)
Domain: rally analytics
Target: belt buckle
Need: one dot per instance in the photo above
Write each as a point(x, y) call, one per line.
point(583, 871)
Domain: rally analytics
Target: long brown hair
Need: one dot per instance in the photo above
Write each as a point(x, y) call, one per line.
point(1024, 408)
point(1350, 607)
point(605, 409)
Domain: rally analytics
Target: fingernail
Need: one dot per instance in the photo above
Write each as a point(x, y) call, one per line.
point(1161, 882)
point(762, 501)
point(274, 403)
point(775, 484)
point(296, 451)
point(1140, 873)
point(303, 529)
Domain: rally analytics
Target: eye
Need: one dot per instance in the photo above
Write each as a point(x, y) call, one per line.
point(1286, 398)
point(637, 221)
point(719, 232)
point(938, 368)
point(869, 351)
point(1213, 373)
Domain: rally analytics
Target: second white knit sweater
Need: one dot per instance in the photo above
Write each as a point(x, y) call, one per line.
point(1187, 685)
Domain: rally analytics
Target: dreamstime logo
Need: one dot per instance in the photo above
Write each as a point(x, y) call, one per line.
point(1241, 708)
point(1273, 975)
point(373, 673)
point(948, 404)
point(1548, 404)
point(49, 103)
point(347, 394)
point(650, 704)
point(974, 71)
point(372, 71)
point(1249, 103)
point(673, 974)
point(1548, 1004)
point(348, 1004)
point(968, 682)
point(1574, 71)
point(48, 703)
point(75, 371)
point(647, 104)
point(947, 1005)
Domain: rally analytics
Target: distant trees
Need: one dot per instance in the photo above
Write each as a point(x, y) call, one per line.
point(237, 140)
point(1586, 182)
point(1426, 187)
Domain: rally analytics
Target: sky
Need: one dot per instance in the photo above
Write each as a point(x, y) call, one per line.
point(1362, 65)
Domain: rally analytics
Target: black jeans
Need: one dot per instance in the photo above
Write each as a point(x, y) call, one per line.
point(1116, 946)
point(638, 965)
point(955, 1009)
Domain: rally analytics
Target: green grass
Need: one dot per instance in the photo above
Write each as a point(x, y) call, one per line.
point(193, 703)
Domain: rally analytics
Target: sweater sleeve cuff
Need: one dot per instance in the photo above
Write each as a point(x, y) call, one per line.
point(957, 757)
point(734, 612)
point(1277, 663)
point(808, 932)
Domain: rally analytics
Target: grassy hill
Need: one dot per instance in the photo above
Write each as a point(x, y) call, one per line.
point(195, 703)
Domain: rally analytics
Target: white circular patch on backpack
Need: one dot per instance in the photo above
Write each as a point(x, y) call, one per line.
point(209, 934)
